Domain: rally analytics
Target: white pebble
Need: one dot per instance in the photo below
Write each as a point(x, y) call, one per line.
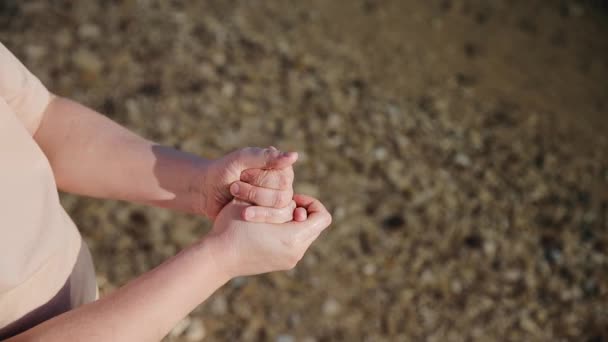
point(331, 307)
point(285, 338)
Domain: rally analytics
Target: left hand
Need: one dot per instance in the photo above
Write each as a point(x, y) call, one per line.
point(249, 248)
point(260, 176)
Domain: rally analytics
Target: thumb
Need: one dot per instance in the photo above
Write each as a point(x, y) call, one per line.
point(234, 208)
point(263, 158)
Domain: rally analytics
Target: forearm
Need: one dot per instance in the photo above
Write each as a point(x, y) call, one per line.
point(92, 155)
point(145, 309)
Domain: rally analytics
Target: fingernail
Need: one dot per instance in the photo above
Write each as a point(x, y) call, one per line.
point(234, 189)
point(249, 214)
point(272, 153)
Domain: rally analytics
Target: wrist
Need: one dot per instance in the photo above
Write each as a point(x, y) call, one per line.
point(198, 188)
point(213, 249)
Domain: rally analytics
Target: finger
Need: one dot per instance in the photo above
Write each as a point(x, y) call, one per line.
point(311, 204)
point(299, 214)
point(263, 158)
point(318, 218)
point(273, 179)
point(308, 230)
point(261, 196)
point(269, 215)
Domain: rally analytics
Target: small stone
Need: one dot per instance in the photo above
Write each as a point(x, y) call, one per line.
point(218, 58)
point(283, 47)
point(380, 153)
point(576, 10)
point(219, 305)
point(310, 259)
point(88, 61)
point(181, 236)
point(89, 31)
point(334, 121)
point(228, 90)
point(331, 307)
point(133, 110)
point(513, 275)
point(208, 72)
point(528, 324)
point(295, 319)
point(247, 107)
point(369, 269)
point(456, 286)
point(35, 51)
point(285, 338)
point(238, 282)
point(427, 277)
point(63, 38)
point(395, 171)
point(165, 124)
point(180, 327)
point(339, 213)
point(489, 248)
point(196, 331)
point(462, 160)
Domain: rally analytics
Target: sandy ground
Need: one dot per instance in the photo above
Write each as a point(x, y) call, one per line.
point(461, 146)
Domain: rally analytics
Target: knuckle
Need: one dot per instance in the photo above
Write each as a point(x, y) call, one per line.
point(251, 194)
point(284, 180)
point(286, 215)
point(267, 155)
point(284, 198)
point(246, 176)
point(282, 213)
point(243, 151)
point(277, 198)
point(239, 155)
point(260, 178)
point(288, 197)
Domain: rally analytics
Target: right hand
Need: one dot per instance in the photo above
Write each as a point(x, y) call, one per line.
point(260, 176)
point(254, 247)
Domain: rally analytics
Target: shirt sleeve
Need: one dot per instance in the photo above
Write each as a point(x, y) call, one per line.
point(22, 91)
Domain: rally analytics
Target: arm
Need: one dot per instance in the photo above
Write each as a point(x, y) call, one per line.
point(92, 155)
point(148, 307)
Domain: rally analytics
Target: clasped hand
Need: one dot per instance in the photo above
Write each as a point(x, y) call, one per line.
point(259, 223)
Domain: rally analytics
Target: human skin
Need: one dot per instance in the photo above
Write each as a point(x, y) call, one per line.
point(92, 155)
point(149, 306)
point(264, 229)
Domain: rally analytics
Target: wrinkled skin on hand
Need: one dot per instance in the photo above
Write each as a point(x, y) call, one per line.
point(263, 177)
point(255, 247)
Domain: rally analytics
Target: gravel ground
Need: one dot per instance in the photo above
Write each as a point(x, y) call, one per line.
point(461, 146)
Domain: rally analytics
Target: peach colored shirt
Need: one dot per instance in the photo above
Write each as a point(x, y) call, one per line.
point(45, 268)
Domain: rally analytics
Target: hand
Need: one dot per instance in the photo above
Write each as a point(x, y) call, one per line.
point(260, 176)
point(253, 248)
